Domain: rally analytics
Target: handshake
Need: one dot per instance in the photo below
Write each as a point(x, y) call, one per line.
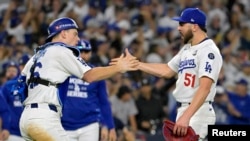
point(126, 62)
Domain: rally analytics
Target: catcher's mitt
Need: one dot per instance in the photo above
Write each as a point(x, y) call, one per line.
point(168, 127)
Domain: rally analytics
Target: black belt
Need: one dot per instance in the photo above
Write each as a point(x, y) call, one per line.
point(42, 81)
point(179, 104)
point(51, 106)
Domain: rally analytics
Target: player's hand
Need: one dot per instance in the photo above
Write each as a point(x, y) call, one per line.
point(126, 62)
point(231, 109)
point(104, 134)
point(112, 135)
point(181, 126)
point(4, 135)
point(128, 135)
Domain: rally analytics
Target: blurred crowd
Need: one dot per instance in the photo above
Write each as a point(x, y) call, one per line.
point(139, 101)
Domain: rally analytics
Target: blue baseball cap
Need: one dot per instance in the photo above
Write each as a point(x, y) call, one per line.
point(192, 15)
point(24, 59)
point(114, 27)
point(58, 25)
point(161, 30)
point(143, 2)
point(242, 81)
point(94, 4)
point(84, 45)
point(10, 64)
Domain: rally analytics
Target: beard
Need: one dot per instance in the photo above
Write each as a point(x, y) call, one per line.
point(188, 36)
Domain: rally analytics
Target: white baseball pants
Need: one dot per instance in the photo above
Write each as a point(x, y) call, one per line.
point(201, 119)
point(87, 133)
point(42, 124)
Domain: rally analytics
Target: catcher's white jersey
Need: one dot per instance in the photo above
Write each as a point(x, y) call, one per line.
point(54, 64)
point(193, 62)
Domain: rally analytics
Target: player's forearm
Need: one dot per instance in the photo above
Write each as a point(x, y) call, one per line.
point(197, 101)
point(100, 73)
point(4, 134)
point(133, 123)
point(156, 69)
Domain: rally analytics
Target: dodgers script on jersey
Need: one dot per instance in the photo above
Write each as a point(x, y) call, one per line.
point(193, 62)
point(54, 64)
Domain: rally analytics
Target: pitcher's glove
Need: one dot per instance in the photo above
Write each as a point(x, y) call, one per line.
point(168, 127)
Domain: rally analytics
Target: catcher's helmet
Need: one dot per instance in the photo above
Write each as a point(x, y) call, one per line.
point(84, 45)
point(58, 25)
